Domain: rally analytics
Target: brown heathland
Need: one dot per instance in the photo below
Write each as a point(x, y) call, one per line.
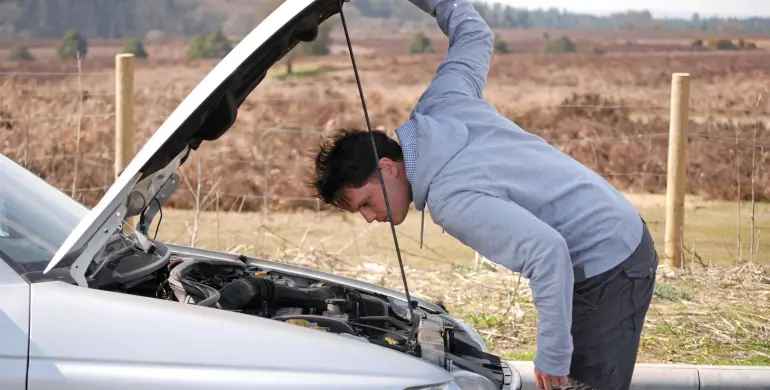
point(545, 94)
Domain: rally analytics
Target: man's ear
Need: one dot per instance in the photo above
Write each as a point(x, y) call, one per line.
point(388, 167)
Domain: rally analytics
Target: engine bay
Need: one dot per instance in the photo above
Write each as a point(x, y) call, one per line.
point(237, 287)
point(243, 287)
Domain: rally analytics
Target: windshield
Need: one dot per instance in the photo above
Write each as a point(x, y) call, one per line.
point(35, 218)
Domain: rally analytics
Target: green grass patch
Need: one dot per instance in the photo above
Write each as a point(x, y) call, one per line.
point(526, 355)
point(670, 292)
point(712, 232)
point(281, 74)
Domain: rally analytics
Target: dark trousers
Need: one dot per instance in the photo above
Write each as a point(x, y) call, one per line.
point(607, 317)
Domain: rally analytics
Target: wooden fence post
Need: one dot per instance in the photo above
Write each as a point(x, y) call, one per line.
point(124, 115)
point(675, 187)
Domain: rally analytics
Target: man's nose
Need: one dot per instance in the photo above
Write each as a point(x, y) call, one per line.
point(368, 215)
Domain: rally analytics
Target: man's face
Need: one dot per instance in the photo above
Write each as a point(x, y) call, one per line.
point(369, 200)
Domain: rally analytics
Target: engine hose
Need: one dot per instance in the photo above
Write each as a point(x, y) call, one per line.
point(212, 295)
point(186, 289)
point(251, 291)
point(247, 292)
point(306, 298)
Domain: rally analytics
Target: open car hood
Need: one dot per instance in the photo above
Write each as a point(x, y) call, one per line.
point(204, 115)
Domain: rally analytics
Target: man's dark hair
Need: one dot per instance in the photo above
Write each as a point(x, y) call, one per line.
point(346, 160)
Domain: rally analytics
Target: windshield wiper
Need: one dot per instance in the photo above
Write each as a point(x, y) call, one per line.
point(382, 181)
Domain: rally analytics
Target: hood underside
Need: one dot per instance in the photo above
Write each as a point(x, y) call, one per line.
point(205, 114)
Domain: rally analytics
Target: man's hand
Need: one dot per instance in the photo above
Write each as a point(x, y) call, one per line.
point(548, 382)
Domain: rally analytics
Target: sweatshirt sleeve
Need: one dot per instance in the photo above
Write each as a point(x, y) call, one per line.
point(465, 68)
point(509, 235)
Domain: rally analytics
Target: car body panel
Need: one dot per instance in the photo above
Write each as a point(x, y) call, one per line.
point(205, 114)
point(119, 341)
point(14, 329)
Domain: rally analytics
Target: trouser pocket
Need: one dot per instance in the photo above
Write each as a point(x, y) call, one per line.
point(639, 272)
point(595, 369)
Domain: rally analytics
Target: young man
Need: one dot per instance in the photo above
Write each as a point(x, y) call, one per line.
point(516, 200)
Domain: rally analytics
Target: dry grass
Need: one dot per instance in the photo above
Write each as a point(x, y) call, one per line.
point(38, 113)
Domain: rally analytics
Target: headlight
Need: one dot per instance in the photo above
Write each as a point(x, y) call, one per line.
point(464, 380)
point(441, 386)
point(467, 380)
point(475, 336)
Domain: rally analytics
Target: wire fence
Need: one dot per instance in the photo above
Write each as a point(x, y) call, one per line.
point(270, 189)
point(254, 177)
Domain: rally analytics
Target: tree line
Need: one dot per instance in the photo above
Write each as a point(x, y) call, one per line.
point(103, 18)
point(137, 18)
point(498, 15)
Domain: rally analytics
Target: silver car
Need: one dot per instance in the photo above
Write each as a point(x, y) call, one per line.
point(87, 304)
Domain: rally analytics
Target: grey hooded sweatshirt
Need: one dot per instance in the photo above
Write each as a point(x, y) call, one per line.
point(507, 193)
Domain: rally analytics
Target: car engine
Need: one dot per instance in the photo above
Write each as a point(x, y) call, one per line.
point(361, 315)
point(233, 286)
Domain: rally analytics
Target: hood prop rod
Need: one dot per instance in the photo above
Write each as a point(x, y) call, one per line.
point(382, 181)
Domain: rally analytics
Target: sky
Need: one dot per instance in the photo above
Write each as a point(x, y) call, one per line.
point(659, 8)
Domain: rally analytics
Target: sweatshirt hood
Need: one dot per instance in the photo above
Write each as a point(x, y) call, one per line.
point(438, 141)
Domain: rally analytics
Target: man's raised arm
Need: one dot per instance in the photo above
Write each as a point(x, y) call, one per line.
point(464, 70)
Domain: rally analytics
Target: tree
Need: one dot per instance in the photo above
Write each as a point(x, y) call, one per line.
point(217, 43)
point(213, 45)
point(20, 53)
point(420, 44)
point(500, 46)
point(71, 45)
point(320, 46)
point(136, 47)
point(561, 44)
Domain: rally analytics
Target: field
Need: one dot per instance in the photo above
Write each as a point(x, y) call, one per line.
point(609, 111)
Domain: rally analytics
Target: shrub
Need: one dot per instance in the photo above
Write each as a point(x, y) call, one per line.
point(595, 50)
point(213, 45)
point(561, 44)
point(420, 44)
point(500, 46)
point(697, 43)
point(746, 45)
point(20, 53)
point(135, 47)
point(71, 44)
point(721, 44)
